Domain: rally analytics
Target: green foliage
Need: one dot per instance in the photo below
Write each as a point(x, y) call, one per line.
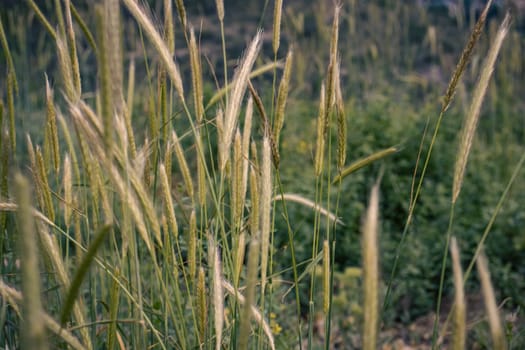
point(133, 280)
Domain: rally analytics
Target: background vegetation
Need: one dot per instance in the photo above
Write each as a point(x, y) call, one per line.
point(396, 59)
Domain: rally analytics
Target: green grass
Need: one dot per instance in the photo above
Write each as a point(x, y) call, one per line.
point(302, 197)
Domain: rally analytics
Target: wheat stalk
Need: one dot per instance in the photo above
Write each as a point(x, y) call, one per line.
point(234, 102)
point(370, 271)
point(496, 331)
point(471, 121)
point(33, 335)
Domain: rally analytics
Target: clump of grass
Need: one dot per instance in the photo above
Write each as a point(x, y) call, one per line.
point(197, 289)
point(460, 312)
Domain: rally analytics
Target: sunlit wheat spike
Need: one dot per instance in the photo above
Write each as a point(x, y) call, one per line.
point(201, 172)
point(34, 171)
point(66, 70)
point(182, 12)
point(202, 308)
point(196, 77)
point(159, 45)
point(168, 203)
point(282, 96)
point(114, 53)
point(52, 125)
point(465, 57)
point(45, 189)
point(236, 181)
point(128, 112)
point(254, 197)
point(72, 45)
point(192, 246)
point(169, 30)
point(246, 134)
point(370, 271)
point(183, 165)
point(331, 79)
point(220, 9)
point(459, 331)
point(341, 120)
point(319, 149)
point(33, 335)
point(218, 297)
point(68, 190)
point(251, 282)
point(277, 14)
point(240, 82)
point(471, 120)
point(219, 123)
point(239, 256)
point(496, 330)
point(265, 207)
point(104, 66)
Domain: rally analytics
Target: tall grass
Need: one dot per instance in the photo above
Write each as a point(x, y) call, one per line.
point(164, 237)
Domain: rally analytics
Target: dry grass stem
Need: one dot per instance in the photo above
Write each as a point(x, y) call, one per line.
point(202, 308)
point(33, 335)
point(68, 190)
point(360, 163)
point(371, 271)
point(196, 78)
point(7, 52)
point(296, 198)
point(341, 120)
point(240, 82)
point(246, 133)
point(465, 57)
point(236, 182)
point(44, 189)
point(251, 282)
point(66, 69)
point(326, 277)
point(183, 165)
point(277, 14)
point(471, 121)
point(321, 124)
point(460, 312)
point(239, 256)
point(282, 96)
point(52, 127)
point(112, 31)
point(192, 246)
point(182, 12)
point(265, 208)
point(254, 196)
point(331, 78)
point(168, 203)
point(169, 30)
point(220, 9)
point(11, 109)
point(72, 45)
point(218, 297)
point(496, 330)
